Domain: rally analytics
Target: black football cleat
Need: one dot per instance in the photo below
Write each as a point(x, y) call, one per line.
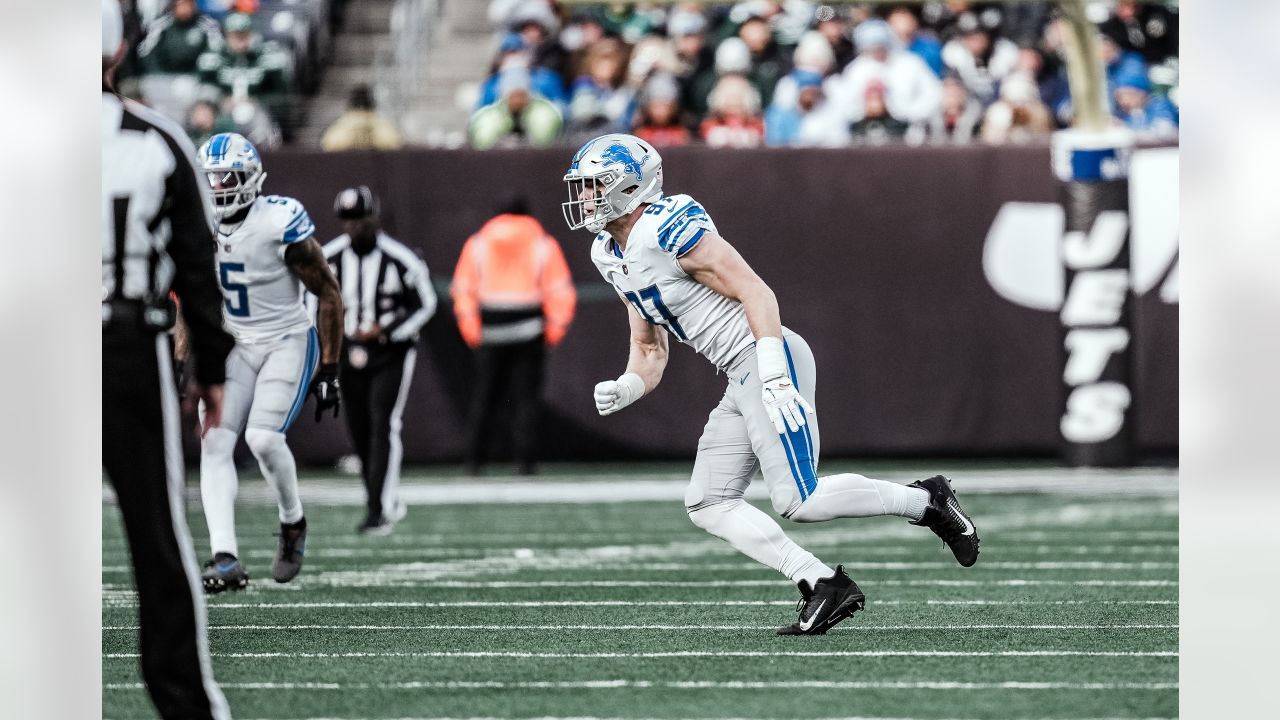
point(831, 600)
point(289, 551)
point(945, 518)
point(223, 572)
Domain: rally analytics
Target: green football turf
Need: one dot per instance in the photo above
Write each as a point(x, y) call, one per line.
point(628, 610)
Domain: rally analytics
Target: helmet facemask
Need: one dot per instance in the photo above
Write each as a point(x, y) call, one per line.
point(233, 190)
point(589, 204)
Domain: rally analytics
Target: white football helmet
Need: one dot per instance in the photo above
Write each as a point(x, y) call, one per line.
point(234, 170)
point(609, 177)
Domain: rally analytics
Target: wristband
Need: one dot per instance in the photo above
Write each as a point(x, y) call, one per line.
point(771, 358)
point(634, 384)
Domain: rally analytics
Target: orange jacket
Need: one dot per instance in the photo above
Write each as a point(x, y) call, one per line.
point(512, 268)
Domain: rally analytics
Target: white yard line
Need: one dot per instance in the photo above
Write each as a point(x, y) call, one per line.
point(854, 566)
point(679, 685)
point(692, 654)
point(607, 488)
point(563, 628)
point(422, 604)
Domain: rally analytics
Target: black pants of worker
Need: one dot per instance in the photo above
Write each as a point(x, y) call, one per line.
point(142, 456)
point(373, 399)
point(515, 368)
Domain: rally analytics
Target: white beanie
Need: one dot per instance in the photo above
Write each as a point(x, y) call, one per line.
point(732, 56)
point(112, 28)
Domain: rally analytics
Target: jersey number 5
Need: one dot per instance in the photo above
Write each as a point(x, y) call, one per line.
point(241, 291)
point(652, 294)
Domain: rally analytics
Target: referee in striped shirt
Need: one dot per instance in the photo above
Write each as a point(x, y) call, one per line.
point(387, 297)
point(157, 236)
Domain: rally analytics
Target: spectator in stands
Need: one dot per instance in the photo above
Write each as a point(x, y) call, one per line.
point(813, 54)
point(833, 23)
point(1148, 29)
point(536, 25)
point(768, 62)
point(653, 54)
point(1149, 116)
point(177, 39)
point(734, 119)
point(659, 121)
point(1119, 62)
point(904, 20)
point(519, 116)
point(731, 58)
point(909, 90)
point(877, 125)
point(958, 119)
point(205, 120)
point(361, 127)
point(247, 68)
point(600, 102)
point(695, 57)
point(512, 52)
point(1019, 115)
point(1050, 77)
point(980, 58)
point(810, 121)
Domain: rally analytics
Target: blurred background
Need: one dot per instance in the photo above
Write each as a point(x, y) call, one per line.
point(885, 167)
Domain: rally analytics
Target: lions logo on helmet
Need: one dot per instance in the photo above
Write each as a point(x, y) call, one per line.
point(234, 170)
point(609, 177)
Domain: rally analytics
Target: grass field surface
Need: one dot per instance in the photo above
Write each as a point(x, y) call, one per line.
point(576, 607)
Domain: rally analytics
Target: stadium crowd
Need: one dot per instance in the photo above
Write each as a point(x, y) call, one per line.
point(797, 73)
point(227, 65)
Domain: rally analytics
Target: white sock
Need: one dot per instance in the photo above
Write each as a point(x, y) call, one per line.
point(218, 487)
point(756, 535)
point(850, 495)
point(276, 461)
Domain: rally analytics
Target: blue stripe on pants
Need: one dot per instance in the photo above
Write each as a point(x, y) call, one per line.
point(308, 372)
point(803, 468)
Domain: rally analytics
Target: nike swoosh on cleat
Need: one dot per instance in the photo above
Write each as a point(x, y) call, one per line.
point(968, 526)
point(808, 625)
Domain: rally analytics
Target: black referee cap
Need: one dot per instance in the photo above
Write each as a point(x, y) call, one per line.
point(355, 203)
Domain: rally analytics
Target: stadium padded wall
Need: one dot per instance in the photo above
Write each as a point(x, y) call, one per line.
point(876, 256)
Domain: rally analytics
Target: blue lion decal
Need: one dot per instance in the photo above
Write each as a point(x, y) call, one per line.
point(618, 154)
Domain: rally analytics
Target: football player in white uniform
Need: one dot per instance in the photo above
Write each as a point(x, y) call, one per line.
point(266, 256)
point(671, 268)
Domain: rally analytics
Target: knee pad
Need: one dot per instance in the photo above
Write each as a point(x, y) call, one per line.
point(708, 516)
point(218, 442)
point(786, 501)
point(263, 442)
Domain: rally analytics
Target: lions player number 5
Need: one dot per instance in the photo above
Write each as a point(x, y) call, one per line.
point(241, 306)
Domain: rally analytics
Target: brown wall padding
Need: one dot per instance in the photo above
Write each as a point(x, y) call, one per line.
point(875, 256)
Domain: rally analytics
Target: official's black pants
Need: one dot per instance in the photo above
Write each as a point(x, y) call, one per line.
point(517, 369)
point(142, 455)
point(373, 399)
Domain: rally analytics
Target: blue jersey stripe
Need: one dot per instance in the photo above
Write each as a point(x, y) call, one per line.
point(691, 243)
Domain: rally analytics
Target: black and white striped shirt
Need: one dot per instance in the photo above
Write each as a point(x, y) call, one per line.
point(389, 286)
point(158, 230)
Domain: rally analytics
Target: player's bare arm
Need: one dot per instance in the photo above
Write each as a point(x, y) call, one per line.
point(648, 354)
point(180, 343)
point(646, 359)
point(306, 261)
point(716, 264)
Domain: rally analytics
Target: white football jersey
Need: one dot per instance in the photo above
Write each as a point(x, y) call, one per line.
point(648, 276)
point(263, 300)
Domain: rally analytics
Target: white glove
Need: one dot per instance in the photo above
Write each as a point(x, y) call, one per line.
point(613, 395)
point(784, 405)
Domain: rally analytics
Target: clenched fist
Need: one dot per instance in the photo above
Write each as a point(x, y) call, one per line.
point(613, 395)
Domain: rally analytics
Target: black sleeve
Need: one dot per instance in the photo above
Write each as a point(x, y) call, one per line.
point(192, 250)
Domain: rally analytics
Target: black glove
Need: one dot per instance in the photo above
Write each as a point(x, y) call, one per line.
point(325, 388)
point(180, 378)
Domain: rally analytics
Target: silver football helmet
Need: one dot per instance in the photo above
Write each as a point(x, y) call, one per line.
point(234, 170)
point(609, 177)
